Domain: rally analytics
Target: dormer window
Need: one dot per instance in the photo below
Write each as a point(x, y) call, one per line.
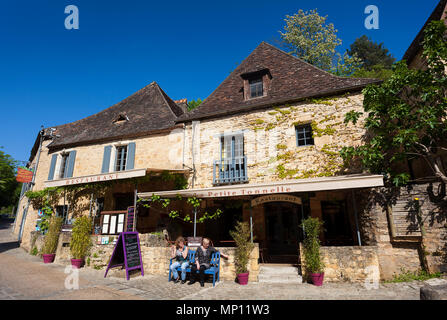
point(256, 88)
point(122, 117)
point(256, 83)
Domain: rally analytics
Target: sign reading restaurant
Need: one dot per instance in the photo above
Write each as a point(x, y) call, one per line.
point(96, 178)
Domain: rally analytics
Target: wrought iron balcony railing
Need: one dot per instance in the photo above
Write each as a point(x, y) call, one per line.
point(233, 170)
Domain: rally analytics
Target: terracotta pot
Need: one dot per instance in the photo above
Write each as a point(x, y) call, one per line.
point(48, 258)
point(242, 278)
point(77, 263)
point(317, 278)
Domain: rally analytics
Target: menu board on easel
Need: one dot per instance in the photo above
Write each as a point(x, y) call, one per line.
point(130, 220)
point(126, 253)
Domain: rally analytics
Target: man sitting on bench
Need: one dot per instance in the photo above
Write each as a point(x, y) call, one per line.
point(203, 261)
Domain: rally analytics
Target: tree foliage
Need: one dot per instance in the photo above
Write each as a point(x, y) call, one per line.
point(310, 38)
point(406, 116)
point(9, 187)
point(371, 53)
point(194, 104)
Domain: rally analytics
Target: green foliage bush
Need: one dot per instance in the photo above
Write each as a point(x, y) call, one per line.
point(52, 236)
point(312, 260)
point(244, 246)
point(80, 238)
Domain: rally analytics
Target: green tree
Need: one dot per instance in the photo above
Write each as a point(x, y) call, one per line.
point(406, 115)
point(371, 53)
point(377, 71)
point(310, 38)
point(9, 187)
point(194, 104)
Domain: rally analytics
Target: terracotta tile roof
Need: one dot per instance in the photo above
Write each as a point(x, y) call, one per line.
point(292, 79)
point(148, 110)
point(437, 14)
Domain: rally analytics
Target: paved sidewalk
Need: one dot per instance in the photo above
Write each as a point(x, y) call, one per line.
point(23, 276)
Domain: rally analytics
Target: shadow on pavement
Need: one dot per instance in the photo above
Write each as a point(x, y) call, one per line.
point(5, 246)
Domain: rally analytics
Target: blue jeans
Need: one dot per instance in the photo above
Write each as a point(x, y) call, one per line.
point(174, 266)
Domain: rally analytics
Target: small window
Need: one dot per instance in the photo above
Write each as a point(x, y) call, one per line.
point(121, 156)
point(256, 88)
point(304, 135)
point(64, 165)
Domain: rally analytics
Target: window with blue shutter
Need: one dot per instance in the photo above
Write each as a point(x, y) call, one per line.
point(130, 156)
point(71, 163)
point(106, 159)
point(52, 167)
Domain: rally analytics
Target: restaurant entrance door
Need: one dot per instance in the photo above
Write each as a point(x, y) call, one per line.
point(283, 231)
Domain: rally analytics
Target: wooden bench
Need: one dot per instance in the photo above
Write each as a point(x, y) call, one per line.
point(214, 269)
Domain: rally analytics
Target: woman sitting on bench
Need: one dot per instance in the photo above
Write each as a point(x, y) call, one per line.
point(203, 261)
point(180, 252)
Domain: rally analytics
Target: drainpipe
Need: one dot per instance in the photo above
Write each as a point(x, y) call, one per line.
point(25, 211)
point(135, 209)
point(251, 223)
point(195, 219)
point(356, 217)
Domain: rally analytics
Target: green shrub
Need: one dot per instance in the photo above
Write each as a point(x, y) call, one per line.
point(80, 238)
point(407, 276)
point(52, 237)
point(312, 260)
point(34, 251)
point(244, 246)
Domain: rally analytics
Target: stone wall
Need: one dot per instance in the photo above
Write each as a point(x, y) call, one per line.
point(349, 263)
point(399, 253)
point(270, 140)
point(156, 259)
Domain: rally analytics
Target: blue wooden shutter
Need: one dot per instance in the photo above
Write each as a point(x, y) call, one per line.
point(130, 163)
point(106, 159)
point(52, 167)
point(71, 163)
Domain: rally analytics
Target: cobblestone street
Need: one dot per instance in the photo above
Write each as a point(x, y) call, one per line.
point(23, 276)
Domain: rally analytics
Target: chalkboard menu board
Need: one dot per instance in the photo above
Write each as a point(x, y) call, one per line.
point(127, 253)
point(130, 219)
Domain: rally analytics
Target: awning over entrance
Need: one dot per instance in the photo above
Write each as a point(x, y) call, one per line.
point(285, 186)
point(106, 177)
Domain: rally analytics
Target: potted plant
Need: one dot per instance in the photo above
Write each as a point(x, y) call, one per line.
point(51, 239)
point(244, 246)
point(314, 266)
point(80, 240)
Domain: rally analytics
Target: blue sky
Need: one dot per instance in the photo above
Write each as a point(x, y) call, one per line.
point(50, 75)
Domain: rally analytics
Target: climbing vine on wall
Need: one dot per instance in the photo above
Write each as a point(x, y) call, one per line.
point(327, 160)
point(193, 202)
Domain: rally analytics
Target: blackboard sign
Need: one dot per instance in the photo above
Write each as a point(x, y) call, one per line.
point(130, 219)
point(127, 253)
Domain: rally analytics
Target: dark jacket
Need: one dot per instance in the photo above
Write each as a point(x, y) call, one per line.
point(205, 258)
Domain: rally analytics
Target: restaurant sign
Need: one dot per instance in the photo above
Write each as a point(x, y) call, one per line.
point(24, 175)
point(96, 178)
point(275, 198)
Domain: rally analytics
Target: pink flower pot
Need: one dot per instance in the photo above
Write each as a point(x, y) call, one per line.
point(317, 278)
point(242, 278)
point(48, 258)
point(77, 263)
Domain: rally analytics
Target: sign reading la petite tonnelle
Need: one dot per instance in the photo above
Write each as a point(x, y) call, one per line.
point(96, 178)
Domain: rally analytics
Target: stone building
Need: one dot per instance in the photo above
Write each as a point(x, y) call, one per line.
point(262, 148)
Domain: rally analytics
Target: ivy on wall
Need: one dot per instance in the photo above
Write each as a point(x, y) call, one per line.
point(329, 161)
